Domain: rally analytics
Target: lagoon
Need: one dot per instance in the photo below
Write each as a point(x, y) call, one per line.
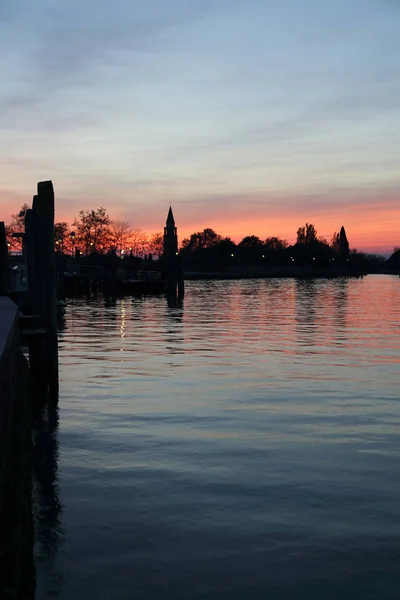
point(242, 444)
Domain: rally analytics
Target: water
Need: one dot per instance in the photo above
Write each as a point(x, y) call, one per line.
point(244, 445)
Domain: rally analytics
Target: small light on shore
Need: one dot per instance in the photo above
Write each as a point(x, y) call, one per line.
point(232, 255)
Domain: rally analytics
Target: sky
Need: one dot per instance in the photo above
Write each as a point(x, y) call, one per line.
point(247, 116)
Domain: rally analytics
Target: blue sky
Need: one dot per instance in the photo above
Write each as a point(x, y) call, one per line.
point(243, 115)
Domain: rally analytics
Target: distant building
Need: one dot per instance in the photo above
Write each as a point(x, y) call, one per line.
point(173, 273)
point(170, 238)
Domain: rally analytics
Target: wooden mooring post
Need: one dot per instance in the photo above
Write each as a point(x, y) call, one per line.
point(3, 260)
point(42, 283)
point(181, 281)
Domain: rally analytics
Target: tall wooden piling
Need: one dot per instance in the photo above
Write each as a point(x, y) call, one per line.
point(37, 343)
point(44, 280)
point(30, 255)
point(181, 281)
point(3, 260)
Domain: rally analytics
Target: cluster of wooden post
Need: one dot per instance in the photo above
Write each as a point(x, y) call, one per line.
point(173, 273)
point(42, 285)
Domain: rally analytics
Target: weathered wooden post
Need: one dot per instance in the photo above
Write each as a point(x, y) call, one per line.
point(181, 281)
point(3, 260)
point(44, 292)
point(37, 339)
point(29, 253)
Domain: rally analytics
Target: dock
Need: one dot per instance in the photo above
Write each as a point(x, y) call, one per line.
point(16, 413)
point(28, 384)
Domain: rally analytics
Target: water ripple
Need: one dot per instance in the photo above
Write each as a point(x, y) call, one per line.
point(243, 445)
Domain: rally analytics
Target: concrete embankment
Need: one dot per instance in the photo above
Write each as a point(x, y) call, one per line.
point(16, 524)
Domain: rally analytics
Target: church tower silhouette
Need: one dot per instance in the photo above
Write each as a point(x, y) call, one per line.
point(170, 238)
point(172, 268)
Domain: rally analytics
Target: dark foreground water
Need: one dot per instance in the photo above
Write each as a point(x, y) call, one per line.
point(243, 445)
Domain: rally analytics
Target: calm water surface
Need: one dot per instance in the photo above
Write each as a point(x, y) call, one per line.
point(243, 445)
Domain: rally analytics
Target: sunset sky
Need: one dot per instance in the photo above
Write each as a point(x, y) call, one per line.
point(248, 116)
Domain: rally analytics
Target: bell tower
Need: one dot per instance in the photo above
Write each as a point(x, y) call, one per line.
point(173, 273)
point(170, 238)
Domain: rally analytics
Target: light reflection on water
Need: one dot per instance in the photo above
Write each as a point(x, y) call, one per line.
point(244, 444)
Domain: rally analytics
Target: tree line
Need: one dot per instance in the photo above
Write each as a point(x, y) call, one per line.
point(93, 231)
point(207, 247)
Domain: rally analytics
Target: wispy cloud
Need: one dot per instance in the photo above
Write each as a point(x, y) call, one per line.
point(230, 109)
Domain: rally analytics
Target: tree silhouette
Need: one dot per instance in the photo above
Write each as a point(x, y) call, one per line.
point(138, 242)
point(307, 234)
point(251, 242)
point(62, 239)
point(275, 244)
point(275, 251)
point(335, 242)
point(156, 244)
point(250, 249)
point(201, 240)
point(16, 226)
point(121, 233)
point(343, 245)
point(225, 247)
point(310, 249)
point(394, 261)
point(93, 230)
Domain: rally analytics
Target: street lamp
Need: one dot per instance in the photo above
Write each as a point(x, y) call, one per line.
point(72, 236)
